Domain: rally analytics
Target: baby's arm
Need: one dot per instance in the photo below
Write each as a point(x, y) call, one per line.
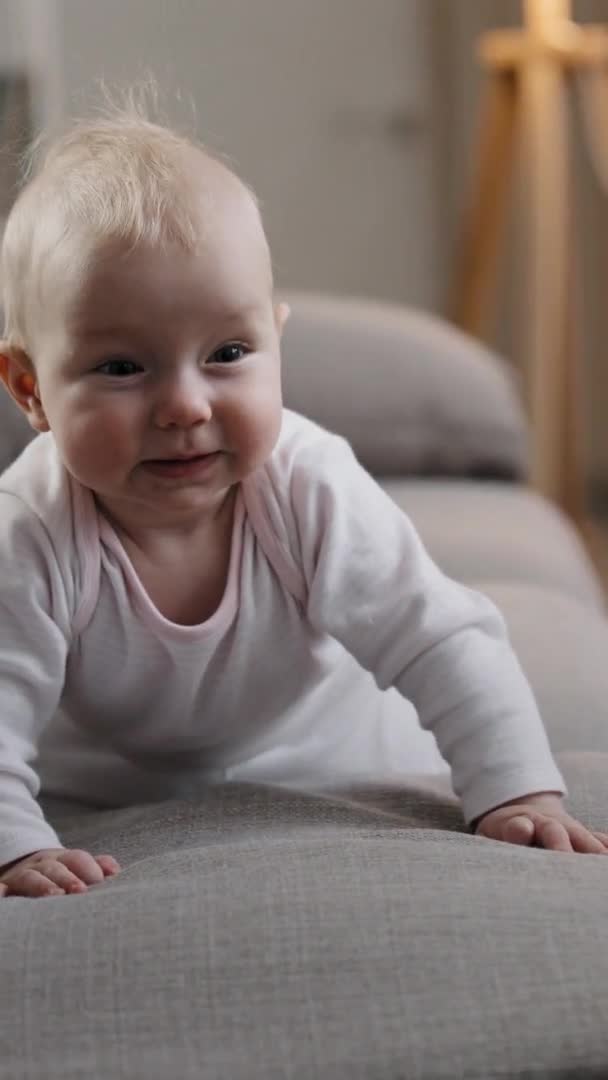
point(34, 622)
point(371, 584)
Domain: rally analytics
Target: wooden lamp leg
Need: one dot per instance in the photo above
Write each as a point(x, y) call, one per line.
point(545, 114)
point(573, 464)
point(476, 270)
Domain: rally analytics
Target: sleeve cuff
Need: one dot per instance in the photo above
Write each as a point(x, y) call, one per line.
point(18, 845)
point(489, 791)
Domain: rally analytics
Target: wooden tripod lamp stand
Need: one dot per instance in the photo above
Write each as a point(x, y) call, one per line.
point(530, 73)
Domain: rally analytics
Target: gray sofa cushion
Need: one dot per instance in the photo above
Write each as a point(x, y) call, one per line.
point(15, 432)
point(412, 394)
point(261, 934)
point(499, 532)
point(563, 648)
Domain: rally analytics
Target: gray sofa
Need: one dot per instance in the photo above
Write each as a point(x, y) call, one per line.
point(264, 934)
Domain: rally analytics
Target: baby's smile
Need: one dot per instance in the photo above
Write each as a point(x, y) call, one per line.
point(190, 467)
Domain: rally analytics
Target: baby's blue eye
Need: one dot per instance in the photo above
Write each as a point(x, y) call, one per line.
point(119, 366)
point(227, 354)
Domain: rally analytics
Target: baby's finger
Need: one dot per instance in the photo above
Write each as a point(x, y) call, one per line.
point(585, 842)
point(30, 882)
point(552, 835)
point(519, 830)
point(602, 837)
point(83, 865)
point(57, 872)
point(108, 864)
point(3, 889)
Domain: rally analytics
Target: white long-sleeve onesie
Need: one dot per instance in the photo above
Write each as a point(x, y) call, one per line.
point(334, 629)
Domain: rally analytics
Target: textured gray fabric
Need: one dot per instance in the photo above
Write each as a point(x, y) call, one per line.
point(260, 934)
point(498, 532)
point(412, 394)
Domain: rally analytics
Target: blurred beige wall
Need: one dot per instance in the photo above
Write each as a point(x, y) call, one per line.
point(323, 105)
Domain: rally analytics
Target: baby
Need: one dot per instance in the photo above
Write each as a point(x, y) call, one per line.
point(197, 585)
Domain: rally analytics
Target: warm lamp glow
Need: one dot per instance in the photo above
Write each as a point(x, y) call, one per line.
point(542, 14)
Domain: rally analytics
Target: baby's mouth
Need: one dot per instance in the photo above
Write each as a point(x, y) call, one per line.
point(182, 466)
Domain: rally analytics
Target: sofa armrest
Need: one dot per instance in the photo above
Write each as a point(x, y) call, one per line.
point(412, 394)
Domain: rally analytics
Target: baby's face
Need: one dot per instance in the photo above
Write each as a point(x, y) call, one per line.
point(163, 387)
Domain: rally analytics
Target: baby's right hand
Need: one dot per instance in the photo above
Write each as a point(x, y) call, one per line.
point(55, 872)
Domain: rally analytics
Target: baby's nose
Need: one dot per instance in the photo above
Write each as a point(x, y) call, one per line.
point(183, 403)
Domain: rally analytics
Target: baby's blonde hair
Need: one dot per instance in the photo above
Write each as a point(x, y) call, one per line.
point(117, 177)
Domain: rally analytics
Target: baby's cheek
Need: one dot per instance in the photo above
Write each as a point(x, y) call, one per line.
point(264, 425)
point(96, 446)
point(257, 444)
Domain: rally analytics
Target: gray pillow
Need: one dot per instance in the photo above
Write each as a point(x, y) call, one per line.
point(412, 394)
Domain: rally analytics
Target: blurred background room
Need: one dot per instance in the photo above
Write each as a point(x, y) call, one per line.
point(358, 125)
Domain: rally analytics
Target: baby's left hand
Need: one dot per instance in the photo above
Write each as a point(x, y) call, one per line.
point(540, 820)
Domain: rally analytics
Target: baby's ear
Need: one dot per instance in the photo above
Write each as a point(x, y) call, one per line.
point(282, 312)
point(18, 375)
